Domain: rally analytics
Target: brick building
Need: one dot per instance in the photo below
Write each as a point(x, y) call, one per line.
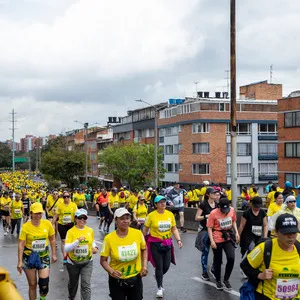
point(196, 141)
point(261, 91)
point(289, 139)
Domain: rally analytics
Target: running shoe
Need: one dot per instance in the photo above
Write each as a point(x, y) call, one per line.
point(182, 230)
point(212, 272)
point(5, 233)
point(205, 276)
point(64, 261)
point(227, 285)
point(160, 293)
point(219, 285)
point(98, 218)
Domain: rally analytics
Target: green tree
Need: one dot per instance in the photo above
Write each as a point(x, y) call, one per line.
point(132, 164)
point(5, 156)
point(58, 163)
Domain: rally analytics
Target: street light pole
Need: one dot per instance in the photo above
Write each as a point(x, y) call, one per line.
point(155, 141)
point(86, 125)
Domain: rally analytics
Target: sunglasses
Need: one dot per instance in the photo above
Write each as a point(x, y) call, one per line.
point(82, 218)
point(294, 201)
point(66, 197)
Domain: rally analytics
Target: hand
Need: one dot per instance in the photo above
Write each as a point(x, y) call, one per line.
point(237, 238)
point(180, 244)
point(171, 204)
point(213, 245)
point(95, 250)
point(115, 274)
point(138, 223)
point(82, 238)
point(144, 271)
point(267, 274)
point(54, 259)
point(19, 268)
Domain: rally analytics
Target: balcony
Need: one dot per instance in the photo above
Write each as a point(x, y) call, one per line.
point(267, 136)
point(265, 156)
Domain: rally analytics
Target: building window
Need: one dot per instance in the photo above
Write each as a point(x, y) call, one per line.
point(161, 132)
point(267, 129)
point(201, 148)
point(169, 149)
point(243, 170)
point(169, 167)
point(243, 149)
point(244, 128)
point(221, 106)
point(268, 168)
point(179, 167)
point(292, 149)
point(200, 169)
point(179, 147)
point(267, 149)
point(228, 172)
point(294, 178)
point(93, 156)
point(292, 119)
point(201, 128)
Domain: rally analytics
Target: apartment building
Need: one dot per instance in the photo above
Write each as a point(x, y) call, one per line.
point(196, 140)
point(289, 139)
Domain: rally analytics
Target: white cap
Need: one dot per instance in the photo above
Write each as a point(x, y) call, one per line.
point(290, 198)
point(121, 212)
point(205, 182)
point(150, 189)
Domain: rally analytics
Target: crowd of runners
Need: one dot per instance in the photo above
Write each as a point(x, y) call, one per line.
point(145, 230)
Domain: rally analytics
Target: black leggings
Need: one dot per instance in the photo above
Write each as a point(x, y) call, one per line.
point(162, 262)
point(15, 222)
point(229, 252)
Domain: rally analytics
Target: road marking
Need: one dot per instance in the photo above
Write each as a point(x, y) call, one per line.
point(235, 293)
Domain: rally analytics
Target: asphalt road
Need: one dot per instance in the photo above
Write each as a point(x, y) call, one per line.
point(181, 282)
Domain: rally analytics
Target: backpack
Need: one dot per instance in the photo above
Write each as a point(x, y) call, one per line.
point(122, 194)
point(247, 290)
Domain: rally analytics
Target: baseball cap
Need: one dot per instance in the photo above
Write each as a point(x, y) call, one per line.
point(36, 208)
point(290, 198)
point(81, 212)
point(141, 197)
point(205, 182)
point(288, 184)
point(224, 205)
point(121, 212)
point(211, 190)
point(159, 198)
point(286, 223)
point(297, 187)
point(256, 202)
point(150, 189)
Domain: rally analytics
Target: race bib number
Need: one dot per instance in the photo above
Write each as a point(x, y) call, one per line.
point(67, 219)
point(164, 226)
point(287, 288)
point(128, 253)
point(17, 211)
point(226, 223)
point(81, 250)
point(257, 230)
point(116, 204)
point(38, 245)
point(25, 205)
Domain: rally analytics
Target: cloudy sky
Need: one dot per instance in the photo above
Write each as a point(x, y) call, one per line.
point(86, 60)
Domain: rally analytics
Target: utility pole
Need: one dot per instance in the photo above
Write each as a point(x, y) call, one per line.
point(271, 73)
point(196, 84)
point(233, 127)
point(13, 139)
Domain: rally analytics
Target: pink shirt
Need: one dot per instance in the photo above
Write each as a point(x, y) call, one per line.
point(219, 221)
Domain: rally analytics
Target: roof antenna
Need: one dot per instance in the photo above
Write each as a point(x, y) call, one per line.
point(271, 73)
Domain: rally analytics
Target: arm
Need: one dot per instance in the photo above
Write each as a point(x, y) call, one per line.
point(72, 246)
point(242, 225)
point(177, 236)
point(108, 269)
point(212, 242)
point(145, 230)
point(53, 247)
point(21, 245)
point(237, 236)
point(198, 216)
point(265, 227)
point(95, 248)
point(144, 256)
point(55, 218)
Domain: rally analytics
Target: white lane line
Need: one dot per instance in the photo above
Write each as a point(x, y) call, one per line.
point(97, 242)
point(235, 293)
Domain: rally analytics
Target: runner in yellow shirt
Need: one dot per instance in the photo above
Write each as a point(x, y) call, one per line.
point(5, 201)
point(79, 200)
point(140, 212)
point(132, 200)
point(16, 211)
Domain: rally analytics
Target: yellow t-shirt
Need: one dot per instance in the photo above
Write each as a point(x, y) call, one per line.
point(16, 208)
point(203, 191)
point(286, 272)
point(228, 193)
point(66, 213)
point(122, 199)
point(49, 204)
point(96, 195)
point(141, 212)
point(84, 250)
point(271, 197)
point(124, 253)
point(37, 237)
point(5, 203)
point(273, 208)
point(113, 201)
point(132, 200)
point(79, 200)
point(160, 224)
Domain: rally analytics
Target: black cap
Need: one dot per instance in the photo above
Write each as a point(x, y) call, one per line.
point(256, 202)
point(210, 190)
point(286, 223)
point(224, 205)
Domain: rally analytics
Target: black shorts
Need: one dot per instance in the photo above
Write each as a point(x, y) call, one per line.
point(104, 212)
point(63, 229)
point(26, 212)
point(176, 210)
point(4, 213)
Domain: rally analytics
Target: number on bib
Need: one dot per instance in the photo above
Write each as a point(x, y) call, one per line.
point(38, 245)
point(226, 223)
point(128, 253)
point(287, 288)
point(67, 219)
point(164, 226)
point(81, 250)
point(17, 211)
point(257, 230)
